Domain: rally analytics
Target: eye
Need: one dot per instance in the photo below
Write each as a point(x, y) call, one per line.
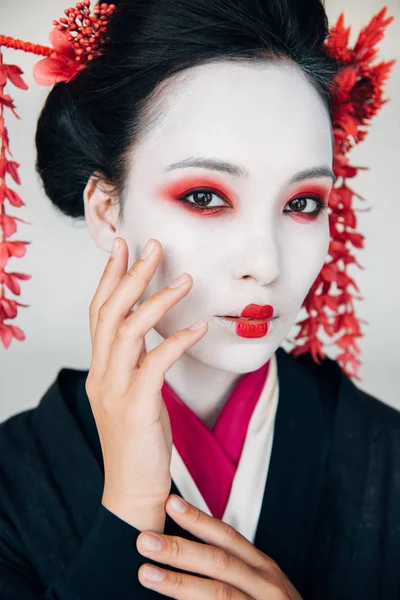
point(202, 199)
point(309, 205)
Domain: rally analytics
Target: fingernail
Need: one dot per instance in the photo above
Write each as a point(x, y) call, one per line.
point(114, 247)
point(153, 574)
point(178, 281)
point(147, 250)
point(177, 504)
point(151, 542)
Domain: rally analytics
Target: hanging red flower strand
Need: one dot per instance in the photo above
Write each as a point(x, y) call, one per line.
point(8, 223)
point(358, 98)
point(76, 39)
point(359, 88)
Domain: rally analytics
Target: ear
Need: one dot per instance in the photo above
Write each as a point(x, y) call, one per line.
point(101, 212)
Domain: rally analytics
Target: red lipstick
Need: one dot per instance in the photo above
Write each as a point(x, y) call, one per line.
point(253, 321)
point(257, 311)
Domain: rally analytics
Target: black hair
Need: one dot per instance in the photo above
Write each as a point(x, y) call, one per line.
point(90, 125)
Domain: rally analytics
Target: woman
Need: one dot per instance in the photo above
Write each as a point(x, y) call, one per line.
point(203, 137)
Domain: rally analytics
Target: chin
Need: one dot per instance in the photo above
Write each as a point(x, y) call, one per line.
point(234, 354)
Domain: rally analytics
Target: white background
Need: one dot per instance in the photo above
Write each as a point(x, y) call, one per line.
point(66, 265)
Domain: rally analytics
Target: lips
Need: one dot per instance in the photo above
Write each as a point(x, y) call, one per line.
point(249, 327)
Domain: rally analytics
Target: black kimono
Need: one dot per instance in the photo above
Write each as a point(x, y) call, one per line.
point(330, 515)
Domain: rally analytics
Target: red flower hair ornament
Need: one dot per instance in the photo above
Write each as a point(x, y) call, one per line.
point(357, 97)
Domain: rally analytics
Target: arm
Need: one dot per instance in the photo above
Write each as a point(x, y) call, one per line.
point(105, 567)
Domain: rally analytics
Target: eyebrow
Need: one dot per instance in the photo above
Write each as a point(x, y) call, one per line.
point(239, 171)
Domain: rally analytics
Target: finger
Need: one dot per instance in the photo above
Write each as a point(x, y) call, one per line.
point(127, 344)
point(218, 533)
point(143, 353)
point(207, 560)
point(151, 375)
point(118, 305)
point(113, 272)
point(183, 586)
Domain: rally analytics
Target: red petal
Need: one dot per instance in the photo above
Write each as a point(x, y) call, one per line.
point(14, 198)
point(19, 304)
point(3, 166)
point(3, 254)
point(50, 71)
point(60, 43)
point(12, 167)
point(4, 135)
point(328, 327)
point(22, 276)
point(346, 80)
point(6, 334)
point(9, 225)
point(301, 349)
point(349, 124)
point(336, 248)
point(371, 34)
point(17, 249)
point(356, 239)
point(350, 219)
point(14, 75)
point(12, 283)
point(3, 75)
point(332, 302)
point(6, 100)
point(316, 350)
point(18, 333)
point(352, 326)
point(343, 281)
point(383, 69)
point(8, 308)
point(346, 195)
point(329, 272)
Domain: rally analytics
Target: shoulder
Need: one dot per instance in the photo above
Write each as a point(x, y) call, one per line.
point(21, 463)
point(17, 431)
point(23, 460)
point(345, 399)
point(22, 432)
point(21, 474)
point(41, 454)
point(16, 440)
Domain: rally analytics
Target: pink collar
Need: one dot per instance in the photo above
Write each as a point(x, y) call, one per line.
point(212, 457)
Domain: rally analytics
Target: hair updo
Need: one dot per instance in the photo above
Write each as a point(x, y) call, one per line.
point(91, 124)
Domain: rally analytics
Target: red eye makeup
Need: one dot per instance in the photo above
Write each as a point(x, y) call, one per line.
point(205, 185)
point(316, 193)
point(178, 191)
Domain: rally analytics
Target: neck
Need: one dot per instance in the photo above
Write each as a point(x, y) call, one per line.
point(202, 388)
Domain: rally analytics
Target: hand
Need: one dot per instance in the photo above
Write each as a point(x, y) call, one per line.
point(124, 385)
point(237, 569)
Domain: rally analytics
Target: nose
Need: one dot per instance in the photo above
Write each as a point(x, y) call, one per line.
point(259, 259)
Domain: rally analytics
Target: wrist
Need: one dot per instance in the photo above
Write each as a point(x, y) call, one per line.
point(146, 516)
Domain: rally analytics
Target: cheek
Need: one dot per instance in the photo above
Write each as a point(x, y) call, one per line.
point(305, 253)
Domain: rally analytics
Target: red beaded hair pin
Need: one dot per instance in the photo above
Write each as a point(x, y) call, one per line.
point(79, 37)
point(76, 39)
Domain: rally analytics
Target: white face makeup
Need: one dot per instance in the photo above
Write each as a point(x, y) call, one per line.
point(249, 246)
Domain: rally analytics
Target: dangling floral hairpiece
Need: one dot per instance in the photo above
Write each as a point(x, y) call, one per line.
point(357, 98)
point(80, 36)
point(76, 39)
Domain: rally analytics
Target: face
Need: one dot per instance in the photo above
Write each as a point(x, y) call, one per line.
point(248, 232)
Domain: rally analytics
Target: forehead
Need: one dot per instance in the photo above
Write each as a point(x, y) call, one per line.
point(256, 113)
